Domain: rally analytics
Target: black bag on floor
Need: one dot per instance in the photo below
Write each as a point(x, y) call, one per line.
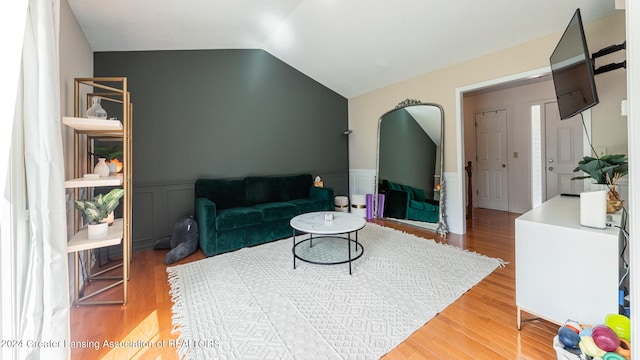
point(182, 242)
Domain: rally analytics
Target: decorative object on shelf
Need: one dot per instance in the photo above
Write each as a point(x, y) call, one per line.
point(96, 211)
point(97, 231)
point(96, 111)
point(606, 170)
point(109, 219)
point(118, 164)
point(111, 155)
point(101, 168)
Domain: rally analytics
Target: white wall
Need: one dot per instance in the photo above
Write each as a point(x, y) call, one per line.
point(441, 86)
point(76, 60)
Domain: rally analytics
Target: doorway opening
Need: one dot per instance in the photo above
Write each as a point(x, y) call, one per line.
point(522, 160)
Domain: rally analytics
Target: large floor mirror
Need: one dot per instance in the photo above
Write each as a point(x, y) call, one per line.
point(409, 164)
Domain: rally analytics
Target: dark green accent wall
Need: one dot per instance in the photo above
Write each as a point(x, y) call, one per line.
point(223, 114)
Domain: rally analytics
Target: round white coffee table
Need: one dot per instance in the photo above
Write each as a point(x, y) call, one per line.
point(326, 247)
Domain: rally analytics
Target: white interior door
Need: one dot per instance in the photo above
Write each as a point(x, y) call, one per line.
point(492, 187)
point(563, 150)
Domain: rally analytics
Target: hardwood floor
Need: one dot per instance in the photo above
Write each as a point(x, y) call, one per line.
point(480, 325)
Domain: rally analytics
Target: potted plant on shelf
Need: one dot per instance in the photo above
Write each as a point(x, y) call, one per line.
point(111, 154)
point(605, 170)
point(97, 210)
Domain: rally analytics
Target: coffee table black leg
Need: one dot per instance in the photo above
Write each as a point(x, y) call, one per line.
point(349, 245)
point(293, 249)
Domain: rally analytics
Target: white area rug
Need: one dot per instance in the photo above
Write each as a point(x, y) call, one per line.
point(252, 304)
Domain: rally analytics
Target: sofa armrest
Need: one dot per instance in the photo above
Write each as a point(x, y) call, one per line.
point(325, 193)
point(321, 192)
point(206, 213)
point(396, 203)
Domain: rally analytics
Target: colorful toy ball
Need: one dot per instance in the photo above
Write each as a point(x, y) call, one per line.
point(620, 324)
point(568, 337)
point(605, 338)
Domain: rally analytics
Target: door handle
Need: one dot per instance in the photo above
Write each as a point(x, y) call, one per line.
point(550, 168)
point(550, 161)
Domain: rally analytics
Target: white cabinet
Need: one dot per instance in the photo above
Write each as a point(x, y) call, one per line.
point(86, 132)
point(565, 270)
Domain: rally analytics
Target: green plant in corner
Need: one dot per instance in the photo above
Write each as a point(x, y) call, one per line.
point(95, 210)
point(607, 169)
point(613, 166)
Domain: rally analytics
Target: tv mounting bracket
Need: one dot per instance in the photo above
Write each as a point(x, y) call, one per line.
point(606, 51)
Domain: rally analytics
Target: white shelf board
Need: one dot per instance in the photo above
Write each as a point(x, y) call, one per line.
point(112, 180)
point(80, 241)
point(92, 125)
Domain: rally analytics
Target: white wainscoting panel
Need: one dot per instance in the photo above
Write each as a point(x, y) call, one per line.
point(453, 201)
point(362, 181)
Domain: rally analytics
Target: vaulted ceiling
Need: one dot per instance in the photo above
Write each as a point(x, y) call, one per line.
point(350, 46)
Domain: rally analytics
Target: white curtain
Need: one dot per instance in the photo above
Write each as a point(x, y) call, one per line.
point(34, 258)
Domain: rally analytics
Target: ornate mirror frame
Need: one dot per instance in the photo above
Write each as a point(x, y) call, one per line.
point(441, 226)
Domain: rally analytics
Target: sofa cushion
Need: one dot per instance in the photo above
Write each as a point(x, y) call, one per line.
point(229, 219)
point(309, 205)
point(392, 185)
point(423, 206)
point(277, 211)
point(225, 194)
point(409, 190)
point(419, 194)
point(295, 187)
point(260, 190)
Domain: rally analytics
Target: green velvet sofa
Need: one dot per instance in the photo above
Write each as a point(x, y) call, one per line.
point(407, 202)
point(236, 213)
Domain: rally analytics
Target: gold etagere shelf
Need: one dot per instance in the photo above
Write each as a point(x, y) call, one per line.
point(86, 132)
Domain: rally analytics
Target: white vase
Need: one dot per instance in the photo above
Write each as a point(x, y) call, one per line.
point(97, 231)
point(101, 168)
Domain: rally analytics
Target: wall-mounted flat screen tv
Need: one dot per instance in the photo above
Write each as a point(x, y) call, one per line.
point(572, 71)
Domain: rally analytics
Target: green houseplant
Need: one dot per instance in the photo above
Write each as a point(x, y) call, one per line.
point(606, 170)
point(611, 166)
point(107, 152)
point(97, 210)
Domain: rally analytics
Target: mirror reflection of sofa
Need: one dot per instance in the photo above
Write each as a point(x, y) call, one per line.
point(408, 202)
